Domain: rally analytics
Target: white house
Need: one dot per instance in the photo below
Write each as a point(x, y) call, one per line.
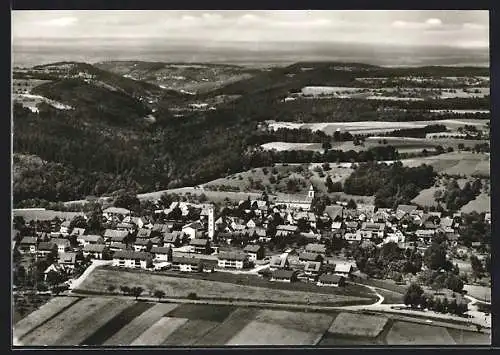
point(232, 260)
point(254, 251)
point(94, 250)
point(63, 245)
point(90, 239)
point(132, 259)
point(191, 229)
point(343, 269)
point(185, 264)
point(162, 253)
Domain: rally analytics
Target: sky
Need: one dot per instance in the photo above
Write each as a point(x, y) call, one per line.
point(460, 29)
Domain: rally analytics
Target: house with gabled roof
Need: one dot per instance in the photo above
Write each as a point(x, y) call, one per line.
point(162, 253)
point(279, 262)
point(343, 269)
point(144, 233)
point(312, 269)
point(191, 229)
point(28, 244)
point(132, 259)
point(331, 280)
point(113, 235)
point(90, 239)
point(63, 244)
point(282, 275)
point(115, 246)
point(94, 250)
point(304, 257)
point(200, 246)
point(232, 260)
point(46, 248)
point(254, 252)
point(316, 248)
point(78, 231)
point(142, 244)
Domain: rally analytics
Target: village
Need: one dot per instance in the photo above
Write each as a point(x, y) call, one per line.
point(281, 241)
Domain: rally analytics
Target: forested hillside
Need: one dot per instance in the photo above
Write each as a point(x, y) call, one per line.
point(104, 144)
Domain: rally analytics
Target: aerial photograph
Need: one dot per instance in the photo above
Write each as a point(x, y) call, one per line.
point(236, 178)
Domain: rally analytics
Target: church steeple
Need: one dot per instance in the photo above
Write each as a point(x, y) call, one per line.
point(311, 192)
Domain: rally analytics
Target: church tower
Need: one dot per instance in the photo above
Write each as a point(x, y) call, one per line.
point(310, 194)
point(211, 223)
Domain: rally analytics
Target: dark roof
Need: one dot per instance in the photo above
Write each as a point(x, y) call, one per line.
point(231, 255)
point(160, 250)
point(283, 274)
point(111, 233)
point(334, 211)
point(46, 246)
point(117, 245)
point(252, 248)
point(78, 231)
point(143, 232)
point(94, 248)
point(142, 242)
point(330, 278)
point(185, 260)
point(199, 242)
point(171, 237)
point(316, 248)
point(309, 256)
point(29, 240)
point(130, 254)
point(160, 227)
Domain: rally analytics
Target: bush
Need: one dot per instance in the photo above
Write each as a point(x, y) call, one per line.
point(192, 296)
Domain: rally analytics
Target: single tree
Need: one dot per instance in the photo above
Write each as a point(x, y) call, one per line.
point(159, 294)
point(137, 291)
point(413, 296)
point(111, 288)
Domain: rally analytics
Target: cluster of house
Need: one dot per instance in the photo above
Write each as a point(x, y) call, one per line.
point(200, 242)
point(311, 266)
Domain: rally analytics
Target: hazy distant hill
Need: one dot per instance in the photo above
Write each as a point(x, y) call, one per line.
point(190, 77)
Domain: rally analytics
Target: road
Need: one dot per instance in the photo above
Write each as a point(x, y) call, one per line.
point(95, 263)
point(478, 318)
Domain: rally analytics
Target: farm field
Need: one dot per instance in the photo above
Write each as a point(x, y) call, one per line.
point(115, 322)
point(43, 314)
point(402, 144)
point(481, 203)
point(49, 332)
point(426, 198)
point(139, 324)
point(404, 333)
point(100, 279)
point(358, 325)
point(462, 163)
point(25, 303)
point(281, 146)
point(43, 214)
point(373, 127)
point(479, 292)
